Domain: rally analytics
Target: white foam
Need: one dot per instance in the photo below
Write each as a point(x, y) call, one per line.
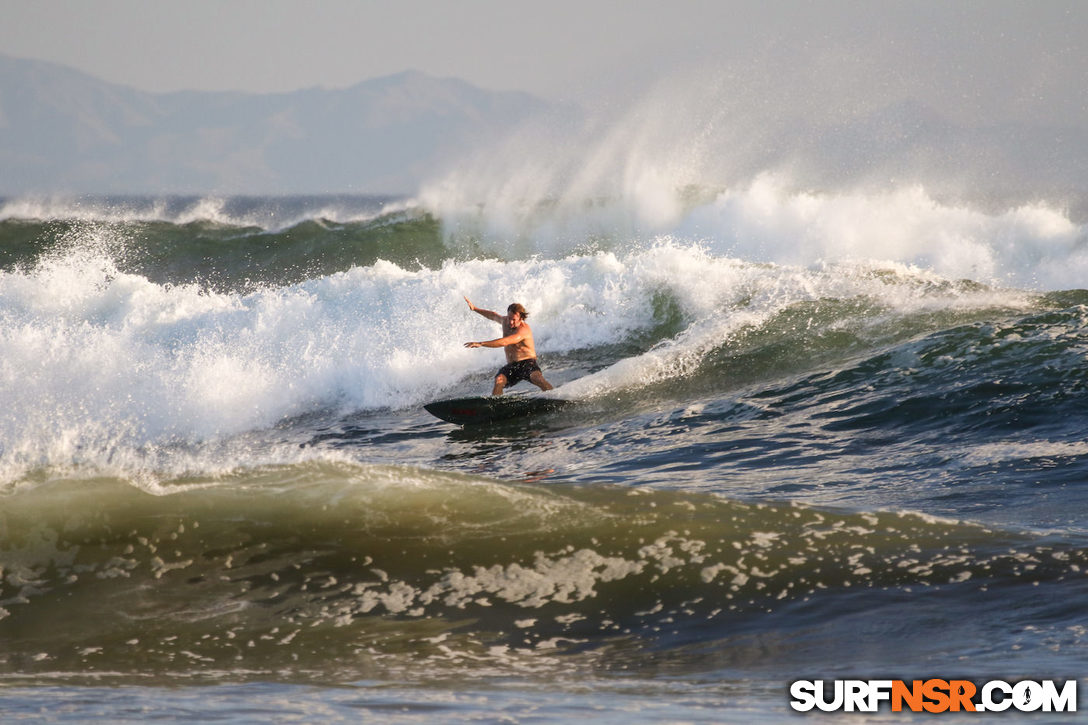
point(1034, 246)
point(1002, 452)
point(1028, 246)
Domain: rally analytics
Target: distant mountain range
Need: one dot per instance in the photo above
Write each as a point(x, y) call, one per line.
point(64, 131)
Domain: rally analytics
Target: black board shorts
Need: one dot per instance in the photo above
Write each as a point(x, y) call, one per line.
point(515, 372)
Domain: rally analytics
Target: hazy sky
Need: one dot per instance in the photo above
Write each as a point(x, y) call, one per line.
point(985, 58)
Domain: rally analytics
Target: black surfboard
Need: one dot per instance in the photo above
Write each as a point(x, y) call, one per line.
point(492, 408)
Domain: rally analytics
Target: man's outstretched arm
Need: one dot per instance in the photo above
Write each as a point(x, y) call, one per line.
point(493, 316)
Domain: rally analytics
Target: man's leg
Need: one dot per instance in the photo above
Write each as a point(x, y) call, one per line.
point(500, 383)
point(537, 379)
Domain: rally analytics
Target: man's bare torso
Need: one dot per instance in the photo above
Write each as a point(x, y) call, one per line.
point(524, 349)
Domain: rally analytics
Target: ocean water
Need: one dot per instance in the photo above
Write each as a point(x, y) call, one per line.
point(831, 434)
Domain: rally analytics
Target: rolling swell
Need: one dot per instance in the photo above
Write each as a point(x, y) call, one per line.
point(226, 257)
point(387, 572)
point(863, 367)
point(844, 401)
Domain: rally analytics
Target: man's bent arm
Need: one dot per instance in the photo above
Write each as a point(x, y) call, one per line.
point(511, 339)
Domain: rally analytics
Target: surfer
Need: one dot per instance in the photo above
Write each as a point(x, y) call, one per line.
point(517, 340)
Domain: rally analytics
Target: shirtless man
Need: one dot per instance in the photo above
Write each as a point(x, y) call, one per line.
point(517, 338)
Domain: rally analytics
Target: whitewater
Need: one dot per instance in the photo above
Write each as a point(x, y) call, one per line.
point(99, 355)
point(815, 433)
